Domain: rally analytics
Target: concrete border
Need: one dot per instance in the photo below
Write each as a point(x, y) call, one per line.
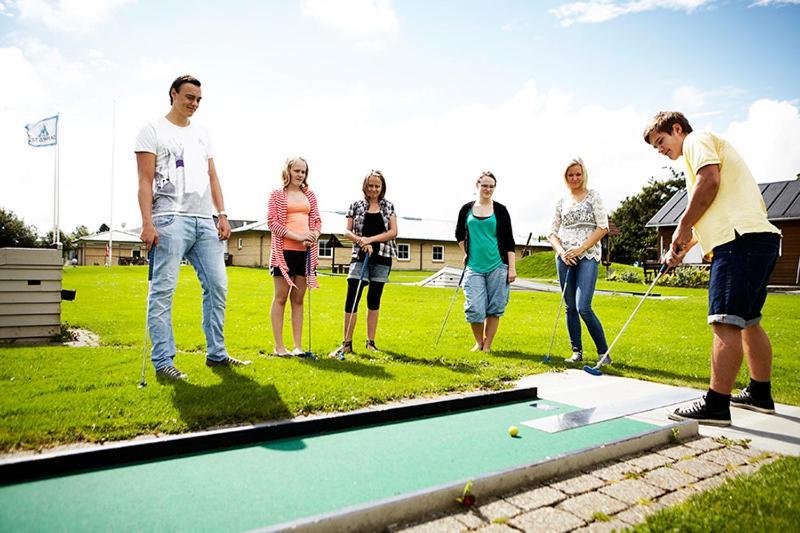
point(377, 515)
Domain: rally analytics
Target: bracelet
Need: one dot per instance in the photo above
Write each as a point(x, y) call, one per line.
point(222, 214)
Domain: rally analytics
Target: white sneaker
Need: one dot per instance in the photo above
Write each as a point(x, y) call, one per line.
point(577, 357)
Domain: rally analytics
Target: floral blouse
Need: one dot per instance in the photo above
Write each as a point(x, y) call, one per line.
point(573, 222)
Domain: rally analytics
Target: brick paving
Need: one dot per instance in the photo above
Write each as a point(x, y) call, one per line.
point(611, 496)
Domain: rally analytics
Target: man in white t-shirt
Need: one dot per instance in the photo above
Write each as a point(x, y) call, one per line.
point(177, 186)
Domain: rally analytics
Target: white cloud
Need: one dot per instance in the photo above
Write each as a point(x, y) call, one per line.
point(768, 140)
point(779, 3)
point(357, 19)
point(595, 11)
point(690, 98)
point(69, 15)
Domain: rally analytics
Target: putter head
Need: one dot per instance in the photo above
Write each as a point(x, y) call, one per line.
point(546, 360)
point(142, 384)
point(593, 370)
point(309, 355)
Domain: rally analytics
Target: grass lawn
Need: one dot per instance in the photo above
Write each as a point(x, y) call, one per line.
point(54, 395)
point(769, 500)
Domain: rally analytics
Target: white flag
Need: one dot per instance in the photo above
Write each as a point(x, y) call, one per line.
point(44, 132)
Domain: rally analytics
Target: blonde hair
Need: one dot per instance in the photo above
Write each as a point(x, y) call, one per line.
point(287, 167)
point(578, 161)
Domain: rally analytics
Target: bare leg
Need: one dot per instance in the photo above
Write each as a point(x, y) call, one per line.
point(726, 357)
point(281, 294)
point(372, 323)
point(759, 352)
point(492, 323)
point(296, 297)
point(477, 332)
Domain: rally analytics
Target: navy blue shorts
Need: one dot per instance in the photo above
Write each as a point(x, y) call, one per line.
point(740, 270)
point(295, 260)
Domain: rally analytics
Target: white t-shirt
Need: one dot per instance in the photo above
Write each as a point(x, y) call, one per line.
point(181, 185)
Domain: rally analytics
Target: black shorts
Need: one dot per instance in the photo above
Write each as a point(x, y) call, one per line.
point(295, 260)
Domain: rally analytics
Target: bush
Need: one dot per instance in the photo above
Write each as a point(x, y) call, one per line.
point(626, 276)
point(690, 277)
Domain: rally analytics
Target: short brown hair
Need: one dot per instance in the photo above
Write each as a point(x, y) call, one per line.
point(664, 121)
point(378, 174)
point(179, 81)
point(487, 173)
point(287, 167)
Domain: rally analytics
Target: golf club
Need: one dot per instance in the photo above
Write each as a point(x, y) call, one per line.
point(452, 301)
point(150, 260)
point(558, 315)
point(339, 354)
point(309, 354)
point(595, 370)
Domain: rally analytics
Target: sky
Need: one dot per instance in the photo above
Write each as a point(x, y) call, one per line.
point(429, 92)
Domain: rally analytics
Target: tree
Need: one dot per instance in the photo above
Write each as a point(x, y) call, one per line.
point(15, 233)
point(635, 211)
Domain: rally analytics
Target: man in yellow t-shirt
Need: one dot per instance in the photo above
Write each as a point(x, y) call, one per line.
point(727, 217)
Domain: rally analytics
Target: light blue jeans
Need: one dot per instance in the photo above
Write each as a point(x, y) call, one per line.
point(195, 239)
point(485, 293)
point(581, 280)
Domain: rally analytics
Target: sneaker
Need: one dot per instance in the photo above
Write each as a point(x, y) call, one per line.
point(228, 361)
point(699, 411)
point(577, 357)
point(371, 346)
point(171, 373)
point(605, 359)
point(745, 401)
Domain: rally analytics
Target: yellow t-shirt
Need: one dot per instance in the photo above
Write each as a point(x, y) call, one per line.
point(738, 206)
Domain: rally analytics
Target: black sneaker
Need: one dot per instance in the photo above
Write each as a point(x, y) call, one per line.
point(699, 411)
point(171, 373)
point(228, 361)
point(745, 400)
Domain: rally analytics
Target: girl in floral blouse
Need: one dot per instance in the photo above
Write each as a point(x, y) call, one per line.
point(580, 221)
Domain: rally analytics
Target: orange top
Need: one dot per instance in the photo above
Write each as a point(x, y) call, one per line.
point(297, 222)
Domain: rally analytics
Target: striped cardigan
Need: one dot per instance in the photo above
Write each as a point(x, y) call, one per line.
point(276, 220)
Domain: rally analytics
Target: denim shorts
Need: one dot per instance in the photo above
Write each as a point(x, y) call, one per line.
point(486, 293)
point(375, 272)
point(740, 270)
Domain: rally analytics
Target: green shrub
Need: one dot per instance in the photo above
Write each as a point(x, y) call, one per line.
point(691, 277)
point(627, 276)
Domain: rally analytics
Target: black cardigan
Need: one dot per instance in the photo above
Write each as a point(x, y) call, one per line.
point(505, 236)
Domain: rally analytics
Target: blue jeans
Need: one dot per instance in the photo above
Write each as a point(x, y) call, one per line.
point(195, 239)
point(581, 280)
point(485, 293)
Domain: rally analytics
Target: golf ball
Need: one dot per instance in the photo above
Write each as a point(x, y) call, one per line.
point(513, 431)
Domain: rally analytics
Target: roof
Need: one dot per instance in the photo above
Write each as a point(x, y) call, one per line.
point(782, 199)
point(116, 236)
point(333, 223)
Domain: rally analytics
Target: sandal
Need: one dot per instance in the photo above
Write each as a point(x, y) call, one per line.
point(339, 353)
point(371, 346)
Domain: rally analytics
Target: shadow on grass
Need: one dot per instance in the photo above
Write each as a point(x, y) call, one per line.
point(328, 364)
point(237, 399)
point(460, 367)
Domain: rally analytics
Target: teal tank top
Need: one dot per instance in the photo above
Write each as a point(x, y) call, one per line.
point(484, 255)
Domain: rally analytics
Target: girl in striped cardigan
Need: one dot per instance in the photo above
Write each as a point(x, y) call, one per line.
point(294, 221)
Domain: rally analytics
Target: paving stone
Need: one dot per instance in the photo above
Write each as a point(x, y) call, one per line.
point(744, 470)
point(498, 509)
point(699, 468)
point(603, 527)
point(710, 483)
point(538, 497)
point(498, 528)
point(674, 498)
point(706, 444)
point(749, 452)
point(678, 452)
point(649, 461)
point(448, 524)
point(470, 519)
point(578, 484)
point(614, 471)
point(668, 478)
point(586, 505)
point(724, 457)
point(636, 514)
point(547, 519)
point(631, 491)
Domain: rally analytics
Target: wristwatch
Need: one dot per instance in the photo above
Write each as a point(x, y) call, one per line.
point(222, 214)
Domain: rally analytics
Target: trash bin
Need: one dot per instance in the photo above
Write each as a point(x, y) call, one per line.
point(228, 259)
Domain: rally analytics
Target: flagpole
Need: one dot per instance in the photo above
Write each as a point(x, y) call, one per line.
point(56, 231)
point(111, 201)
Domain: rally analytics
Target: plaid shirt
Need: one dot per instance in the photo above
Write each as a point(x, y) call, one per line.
point(357, 211)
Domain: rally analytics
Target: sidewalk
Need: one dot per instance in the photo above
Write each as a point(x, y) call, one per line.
point(622, 493)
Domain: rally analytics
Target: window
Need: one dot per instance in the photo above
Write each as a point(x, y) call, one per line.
point(438, 253)
point(403, 252)
point(240, 244)
point(325, 249)
point(136, 254)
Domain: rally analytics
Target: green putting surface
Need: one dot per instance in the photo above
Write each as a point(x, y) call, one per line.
point(284, 480)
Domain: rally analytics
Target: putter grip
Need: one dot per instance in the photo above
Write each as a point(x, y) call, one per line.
point(664, 268)
point(150, 257)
